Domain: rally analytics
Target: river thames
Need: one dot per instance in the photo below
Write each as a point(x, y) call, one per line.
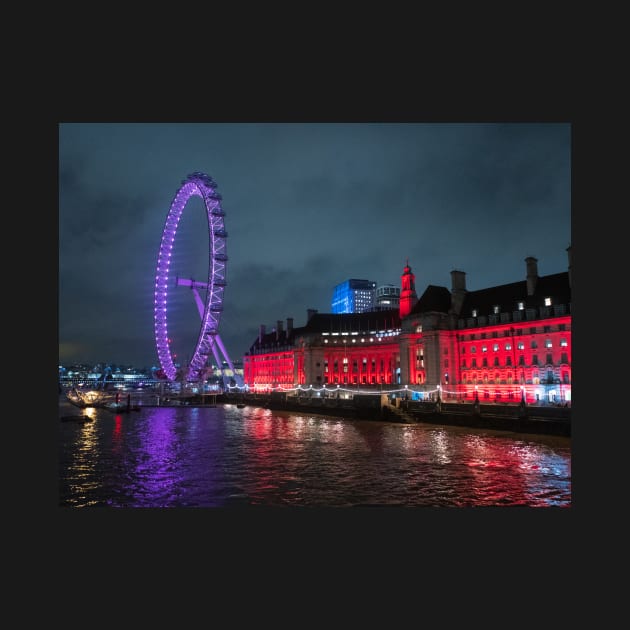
point(224, 456)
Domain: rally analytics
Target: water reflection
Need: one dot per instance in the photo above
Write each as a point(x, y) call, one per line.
point(82, 480)
point(225, 456)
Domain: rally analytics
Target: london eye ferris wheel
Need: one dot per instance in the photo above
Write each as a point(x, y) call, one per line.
point(208, 293)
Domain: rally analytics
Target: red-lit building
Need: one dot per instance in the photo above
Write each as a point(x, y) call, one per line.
point(499, 343)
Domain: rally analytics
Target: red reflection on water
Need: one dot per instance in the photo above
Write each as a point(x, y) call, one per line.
point(502, 472)
point(117, 434)
point(262, 429)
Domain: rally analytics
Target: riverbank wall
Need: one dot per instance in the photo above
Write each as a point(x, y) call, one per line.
point(519, 418)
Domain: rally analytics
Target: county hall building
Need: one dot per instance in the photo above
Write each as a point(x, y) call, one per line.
point(498, 344)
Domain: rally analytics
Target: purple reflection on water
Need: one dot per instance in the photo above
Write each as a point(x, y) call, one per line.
point(169, 465)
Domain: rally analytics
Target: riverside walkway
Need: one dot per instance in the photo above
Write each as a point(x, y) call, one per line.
point(514, 417)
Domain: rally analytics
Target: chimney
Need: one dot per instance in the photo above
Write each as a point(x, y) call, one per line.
point(458, 291)
point(261, 334)
point(309, 313)
point(532, 274)
point(569, 255)
point(278, 329)
point(289, 326)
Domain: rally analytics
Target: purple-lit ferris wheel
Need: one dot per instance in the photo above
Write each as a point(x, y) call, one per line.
point(211, 305)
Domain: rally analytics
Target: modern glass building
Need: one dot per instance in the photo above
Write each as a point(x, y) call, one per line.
point(354, 296)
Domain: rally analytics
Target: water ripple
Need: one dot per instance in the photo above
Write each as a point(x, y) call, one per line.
point(224, 456)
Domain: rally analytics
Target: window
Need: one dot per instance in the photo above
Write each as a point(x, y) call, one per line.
point(561, 327)
point(534, 359)
point(549, 359)
point(520, 345)
point(463, 363)
point(495, 309)
point(463, 349)
point(548, 343)
point(564, 358)
point(473, 349)
point(534, 344)
point(495, 347)
point(521, 306)
point(474, 363)
point(484, 348)
point(547, 301)
point(508, 360)
point(563, 343)
point(495, 334)
point(532, 330)
point(485, 362)
point(474, 312)
point(496, 362)
point(546, 328)
point(508, 346)
point(521, 360)
point(565, 377)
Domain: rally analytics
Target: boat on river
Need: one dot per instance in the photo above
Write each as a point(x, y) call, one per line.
point(74, 418)
point(83, 399)
point(120, 407)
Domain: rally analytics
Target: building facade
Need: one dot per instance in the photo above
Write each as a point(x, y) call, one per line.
point(387, 297)
point(498, 344)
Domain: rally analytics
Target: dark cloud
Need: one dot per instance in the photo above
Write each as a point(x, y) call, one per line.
point(307, 207)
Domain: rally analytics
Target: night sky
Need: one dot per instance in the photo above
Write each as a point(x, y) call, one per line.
point(308, 206)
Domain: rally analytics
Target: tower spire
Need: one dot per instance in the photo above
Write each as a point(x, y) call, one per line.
point(408, 297)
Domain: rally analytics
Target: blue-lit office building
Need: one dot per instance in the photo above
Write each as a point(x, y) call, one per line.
point(354, 296)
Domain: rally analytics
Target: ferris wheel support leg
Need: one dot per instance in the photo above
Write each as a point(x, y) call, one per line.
point(237, 378)
point(217, 358)
point(200, 305)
